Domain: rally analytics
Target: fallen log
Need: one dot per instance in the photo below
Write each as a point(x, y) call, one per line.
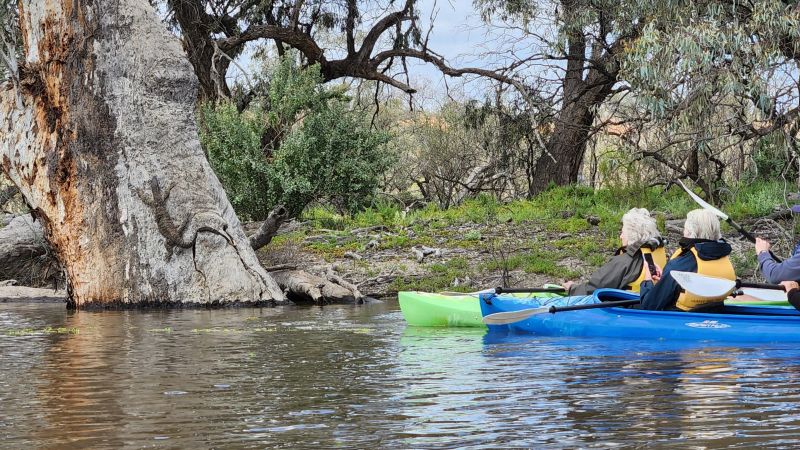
point(333, 277)
point(781, 214)
point(303, 287)
point(22, 294)
point(367, 230)
point(280, 267)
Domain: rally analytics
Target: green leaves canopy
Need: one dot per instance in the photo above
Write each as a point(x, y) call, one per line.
point(298, 145)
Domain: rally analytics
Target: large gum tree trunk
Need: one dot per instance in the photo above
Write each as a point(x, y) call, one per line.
point(561, 163)
point(586, 85)
point(100, 138)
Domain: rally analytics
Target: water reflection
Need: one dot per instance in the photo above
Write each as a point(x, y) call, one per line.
point(438, 367)
point(359, 378)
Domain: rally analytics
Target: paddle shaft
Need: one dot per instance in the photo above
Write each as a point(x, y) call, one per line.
point(507, 317)
point(777, 287)
point(708, 207)
point(555, 309)
point(750, 238)
point(502, 290)
point(741, 230)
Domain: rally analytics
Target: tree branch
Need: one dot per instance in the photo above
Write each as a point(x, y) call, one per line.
point(295, 38)
point(269, 228)
point(440, 64)
point(379, 28)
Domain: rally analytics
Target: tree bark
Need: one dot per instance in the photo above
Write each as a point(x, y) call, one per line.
point(106, 153)
point(197, 29)
point(269, 228)
point(561, 162)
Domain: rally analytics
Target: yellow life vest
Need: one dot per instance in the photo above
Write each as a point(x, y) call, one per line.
point(659, 257)
point(720, 268)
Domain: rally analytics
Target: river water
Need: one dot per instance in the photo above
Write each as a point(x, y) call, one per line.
point(357, 377)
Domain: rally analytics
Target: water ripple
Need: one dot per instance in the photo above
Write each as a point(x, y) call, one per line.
point(357, 377)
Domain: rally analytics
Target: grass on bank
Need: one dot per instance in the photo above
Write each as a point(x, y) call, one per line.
point(561, 212)
point(562, 209)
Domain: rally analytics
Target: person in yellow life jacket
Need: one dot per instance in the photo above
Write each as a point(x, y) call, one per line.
point(626, 270)
point(702, 250)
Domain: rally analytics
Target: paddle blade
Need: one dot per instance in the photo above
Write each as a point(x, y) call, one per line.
point(703, 203)
point(767, 295)
point(504, 318)
point(702, 285)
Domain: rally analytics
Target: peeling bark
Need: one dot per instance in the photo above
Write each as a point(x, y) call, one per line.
point(6, 194)
point(106, 153)
point(334, 278)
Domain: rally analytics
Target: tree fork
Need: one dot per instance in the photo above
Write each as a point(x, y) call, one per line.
point(107, 119)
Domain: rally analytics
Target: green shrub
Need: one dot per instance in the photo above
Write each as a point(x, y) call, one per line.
point(772, 161)
point(472, 235)
point(756, 199)
point(232, 142)
point(335, 157)
point(307, 146)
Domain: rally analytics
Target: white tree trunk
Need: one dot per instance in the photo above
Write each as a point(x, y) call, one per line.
point(105, 151)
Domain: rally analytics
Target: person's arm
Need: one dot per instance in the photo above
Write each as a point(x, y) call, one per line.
point(577, 289)
point(610, 275)
point(662, 295)
point(776, 272)
point(792, 293)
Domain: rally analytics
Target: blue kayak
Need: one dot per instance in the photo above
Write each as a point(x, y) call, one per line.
point(735, 324)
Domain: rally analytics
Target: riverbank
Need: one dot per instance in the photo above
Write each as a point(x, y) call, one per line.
point(24, 294)
point(564, 234)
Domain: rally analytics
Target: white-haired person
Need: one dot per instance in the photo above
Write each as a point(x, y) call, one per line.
point(626, 270)
point(702, 250)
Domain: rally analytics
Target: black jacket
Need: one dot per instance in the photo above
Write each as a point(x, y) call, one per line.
point(664, 294)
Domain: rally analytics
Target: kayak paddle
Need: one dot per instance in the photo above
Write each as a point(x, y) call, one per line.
point(502, 290)
point(723, 216)
point(705, 286)
point(548, 288)
point(504, 318)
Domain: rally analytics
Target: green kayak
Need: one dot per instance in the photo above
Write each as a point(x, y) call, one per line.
point(426, 309)
point(734, 301)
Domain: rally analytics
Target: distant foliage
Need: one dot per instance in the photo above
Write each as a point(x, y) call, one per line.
point(772, 160)
point(10, 42)
point(712, 97)
point(298, 144)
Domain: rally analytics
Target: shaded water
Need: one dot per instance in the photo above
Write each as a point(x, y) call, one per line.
point(357, 377)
